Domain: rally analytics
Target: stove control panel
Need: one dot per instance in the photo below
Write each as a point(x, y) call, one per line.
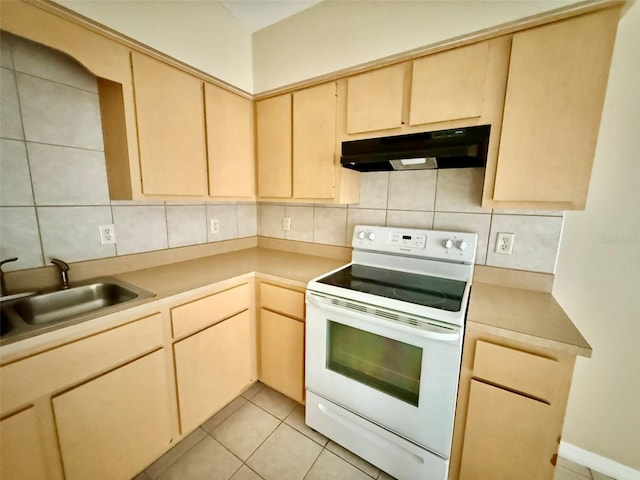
point(437, 244)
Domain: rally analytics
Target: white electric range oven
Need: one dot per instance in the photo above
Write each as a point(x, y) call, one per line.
point(383, 347)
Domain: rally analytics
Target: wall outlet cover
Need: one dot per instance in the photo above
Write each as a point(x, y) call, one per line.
point(504, 243)
point(107, 234)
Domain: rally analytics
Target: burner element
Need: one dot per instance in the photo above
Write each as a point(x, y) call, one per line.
point(433, 299)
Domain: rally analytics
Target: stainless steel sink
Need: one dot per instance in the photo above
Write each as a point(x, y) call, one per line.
point(45, 311)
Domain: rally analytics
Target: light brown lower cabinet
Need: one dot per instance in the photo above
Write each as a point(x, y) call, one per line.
point(507, 436)
point(22, 455)
point(281, 341)
point(115, 425)
point(212, 368)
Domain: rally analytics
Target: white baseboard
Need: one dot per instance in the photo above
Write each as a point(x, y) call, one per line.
point(598, 462)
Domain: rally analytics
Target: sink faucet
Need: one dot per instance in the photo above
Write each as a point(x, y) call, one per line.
point(3, 286)
point(63, 268)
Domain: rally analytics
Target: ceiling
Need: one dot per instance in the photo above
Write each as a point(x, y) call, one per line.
point(257, 14)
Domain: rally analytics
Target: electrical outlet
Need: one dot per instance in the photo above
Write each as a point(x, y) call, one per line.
point(107, 234)
point(286, 224)
point(504, 243)
point(214, 225)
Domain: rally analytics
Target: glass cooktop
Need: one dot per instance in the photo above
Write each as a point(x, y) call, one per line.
point(435, 292)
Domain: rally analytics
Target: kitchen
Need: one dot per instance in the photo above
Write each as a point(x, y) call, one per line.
point(331, 225)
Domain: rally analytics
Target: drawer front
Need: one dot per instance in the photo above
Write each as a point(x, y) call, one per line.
point(282, 300)
point(201, 313)
point(25, 380)
point(516, 370)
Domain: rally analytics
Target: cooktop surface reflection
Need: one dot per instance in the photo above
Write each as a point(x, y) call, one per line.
point(435, 292)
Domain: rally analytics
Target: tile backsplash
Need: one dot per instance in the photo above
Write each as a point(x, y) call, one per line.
point(53, 179)
point(54, 192)
point(438, 199)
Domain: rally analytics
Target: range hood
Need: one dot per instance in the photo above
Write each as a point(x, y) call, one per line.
point(455, 148)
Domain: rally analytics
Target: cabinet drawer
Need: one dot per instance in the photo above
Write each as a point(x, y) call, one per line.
point(206, 311)
point(516, 370)
point(283, 300)
point(25, 380)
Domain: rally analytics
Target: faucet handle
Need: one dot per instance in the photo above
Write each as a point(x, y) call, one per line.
point(8, 260)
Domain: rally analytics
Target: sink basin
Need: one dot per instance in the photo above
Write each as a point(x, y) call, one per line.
point(23, 317)
point(64, 304)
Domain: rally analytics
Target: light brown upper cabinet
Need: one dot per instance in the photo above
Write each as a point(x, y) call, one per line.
point(449, 85)
point(273, 137)
point(171, 129)
point(296, 145)
point(314, 136)
point(555, 93)
point(229, 143)
point(375, 99)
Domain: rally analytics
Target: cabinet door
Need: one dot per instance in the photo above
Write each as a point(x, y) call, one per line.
point(507, 436)
point(212, 368)
point(555, 92)
point(171, 135)
point(449, 85)
point(282, 354)
point(375, 100)
point(114, 426)
point(273, 125)
point(314, 137)
point(229, 143)
point(22, 454)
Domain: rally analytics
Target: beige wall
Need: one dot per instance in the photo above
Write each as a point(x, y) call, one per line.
point(597, 275)
point(334, 35)
point(202, 34)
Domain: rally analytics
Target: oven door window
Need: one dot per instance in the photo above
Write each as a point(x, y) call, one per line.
point(382, 363)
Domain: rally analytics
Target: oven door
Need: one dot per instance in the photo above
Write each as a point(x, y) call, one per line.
point(398, 376)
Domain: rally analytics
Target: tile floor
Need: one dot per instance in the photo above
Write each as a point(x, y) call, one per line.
point(262, 435)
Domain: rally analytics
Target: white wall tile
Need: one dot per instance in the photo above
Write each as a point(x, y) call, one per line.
point(40, 61)
point(542, 213)
point(140, 228)
point(186, 225)
point(330, 226)
point(374, 187)
point(227, 216)
point(15, 181)
point(460, 190)
point(10, 120)
point(360, 216)
point(71, 233)
point(301, 223)
point(271, 220)
point(479, 223)
point(58, 114)
point(535, 246)
point(409, 219)
point(247, 220)
point(413, 190)
point(19, 237)
point(68, 176)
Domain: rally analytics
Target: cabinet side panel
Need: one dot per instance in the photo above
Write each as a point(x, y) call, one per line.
point(557, 82)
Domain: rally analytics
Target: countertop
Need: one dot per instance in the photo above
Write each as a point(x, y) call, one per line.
point(525, 315)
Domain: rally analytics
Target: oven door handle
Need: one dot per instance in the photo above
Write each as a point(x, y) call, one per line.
point(431, 332)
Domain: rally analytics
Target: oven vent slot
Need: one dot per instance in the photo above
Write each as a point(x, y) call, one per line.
point(394, 317)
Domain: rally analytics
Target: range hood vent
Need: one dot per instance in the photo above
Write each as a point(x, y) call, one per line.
point(455, 148)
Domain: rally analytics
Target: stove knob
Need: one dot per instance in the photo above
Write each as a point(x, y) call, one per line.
point(372, 236)
point(462, 245)
point(448, 243)
point(361, 235)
